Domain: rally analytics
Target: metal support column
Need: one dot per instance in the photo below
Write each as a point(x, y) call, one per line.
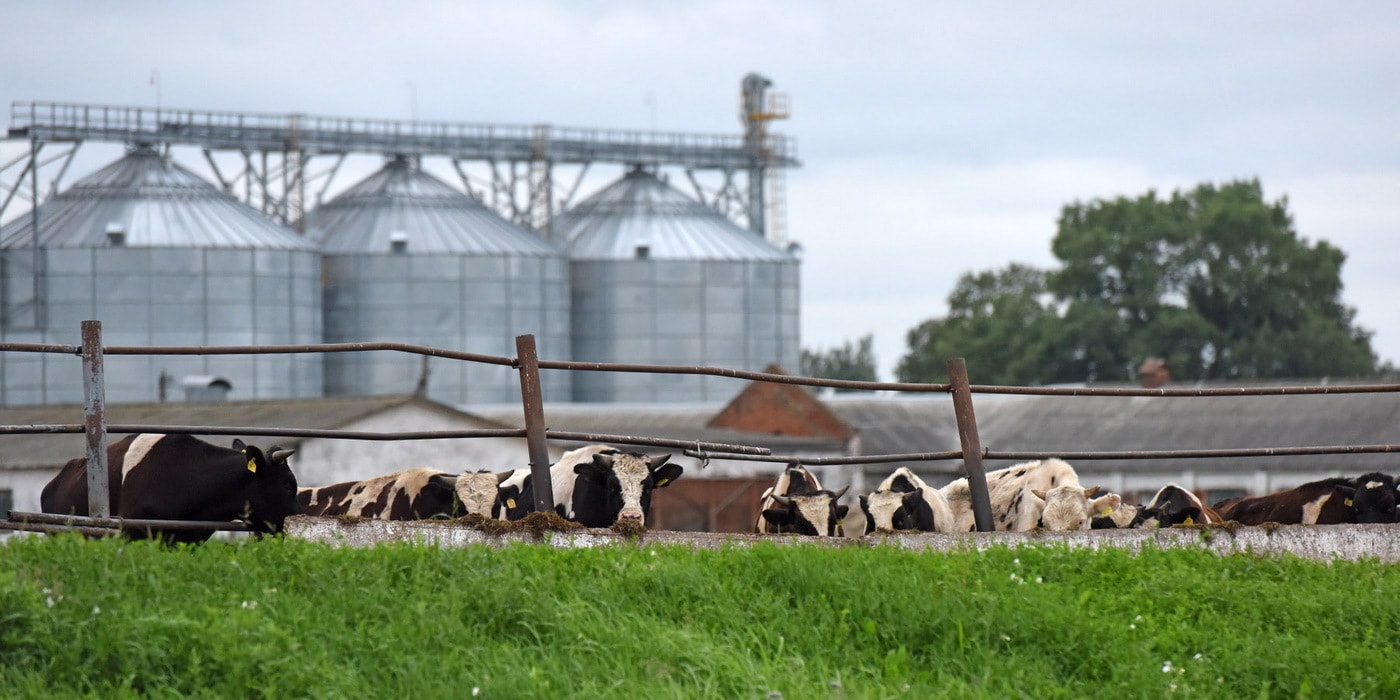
point(532, 399)
point(95, 421)
point(971, 444)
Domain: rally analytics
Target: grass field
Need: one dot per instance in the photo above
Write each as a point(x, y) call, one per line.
point(291, 619)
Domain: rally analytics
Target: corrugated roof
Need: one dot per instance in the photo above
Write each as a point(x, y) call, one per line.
point(155, 203)
point(642, 211)
point(431, 215)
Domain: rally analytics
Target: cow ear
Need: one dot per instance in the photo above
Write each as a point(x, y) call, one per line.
point(508, 497)
point(502, 476)
point(238, 445)
point(1105, 504)
point(1038, 493)
point(667, 474)
point(592, 470)
point(841, 512)
point(1089, 492)
point(604, 459)
point(912, 498)
point(1189, 515)
point(257, 463)
point(782, 517)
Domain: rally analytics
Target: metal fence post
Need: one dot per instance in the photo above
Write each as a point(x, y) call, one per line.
point(971, 444)
point(531, 397)
point(95, 420)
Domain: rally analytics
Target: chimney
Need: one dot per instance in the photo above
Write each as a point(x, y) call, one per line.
point(1153, 373)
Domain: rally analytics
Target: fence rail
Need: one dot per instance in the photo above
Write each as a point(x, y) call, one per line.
point(536, 433)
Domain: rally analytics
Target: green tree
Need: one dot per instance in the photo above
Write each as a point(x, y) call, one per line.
point(850, 361)
point(1215, 280)
point(1003, 322)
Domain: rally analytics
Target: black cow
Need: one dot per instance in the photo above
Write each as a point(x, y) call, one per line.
point(798, 503)
point(595, 486)
point(412, 494)
point(1369, 498)
point(179, 477)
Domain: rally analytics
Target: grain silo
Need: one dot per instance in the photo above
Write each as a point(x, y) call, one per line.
point(410, 259)
point(660, 278)
point(161, 257)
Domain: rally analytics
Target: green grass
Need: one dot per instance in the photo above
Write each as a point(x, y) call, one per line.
point(284, 619)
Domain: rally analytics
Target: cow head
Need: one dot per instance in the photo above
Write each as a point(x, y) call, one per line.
point(1374, 498)
point(895, 510)
point(271, 494)
point(1125, 515)
point(477, 492)
point(1073, 507)
point(812, 514)
point(625, 481)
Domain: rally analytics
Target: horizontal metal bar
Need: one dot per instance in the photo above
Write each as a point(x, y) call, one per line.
point(131, 428)
point(305, 348)
point(47, 528)
point(818, 461)
point(1192, 454)
point(42, 347)
point(743, 374)
point(658, 442)
point(1186, 392)
point(127, 523)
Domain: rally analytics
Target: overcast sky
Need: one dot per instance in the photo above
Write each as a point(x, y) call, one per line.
point(935, 138)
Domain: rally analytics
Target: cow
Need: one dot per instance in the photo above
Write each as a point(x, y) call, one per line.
point(797, 503)
point(594, 486)
point(1369, 498)
point(1174, 505)
point(179, 477)
point(904, 502)
point(412, 494)
point(1040, 494)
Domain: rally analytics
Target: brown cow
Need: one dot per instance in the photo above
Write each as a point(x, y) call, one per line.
point(1369, 498)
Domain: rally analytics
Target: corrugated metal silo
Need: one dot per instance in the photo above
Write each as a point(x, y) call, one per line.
point(410, 259)
point(161, 257)
point(660, 278)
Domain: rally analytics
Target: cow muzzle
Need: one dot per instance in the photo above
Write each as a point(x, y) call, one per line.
point(634, 516)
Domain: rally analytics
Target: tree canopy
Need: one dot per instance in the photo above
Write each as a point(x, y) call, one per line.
point(850, 361)
point(1215, 280)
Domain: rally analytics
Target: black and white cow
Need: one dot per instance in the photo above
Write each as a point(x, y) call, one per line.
point(797, 503)
point(1369, 498)
point(904, 502)
point(412, 494)
point(1174, 505)
point(1041, 494)
point(594, 485)
point(179, 477)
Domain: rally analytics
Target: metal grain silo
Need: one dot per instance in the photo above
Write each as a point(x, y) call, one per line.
point(660, 278)
point(161, 257)
point(410, 259)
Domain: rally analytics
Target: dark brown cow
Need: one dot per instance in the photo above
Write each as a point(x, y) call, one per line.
point(412, 494)
point(1369, 498)
point(179, 477)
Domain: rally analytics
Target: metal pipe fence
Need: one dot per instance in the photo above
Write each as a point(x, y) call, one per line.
point(536, 432)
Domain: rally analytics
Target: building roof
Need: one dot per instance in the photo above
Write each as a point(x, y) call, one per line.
point(153, 203)
point(49, 450)
point(642, 212)
point(402, 201)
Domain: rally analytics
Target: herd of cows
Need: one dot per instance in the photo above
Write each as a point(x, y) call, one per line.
point(179, 477)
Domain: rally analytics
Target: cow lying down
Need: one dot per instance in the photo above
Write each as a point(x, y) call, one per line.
point(412, 494)
point(180, 477)
point(1041, 494)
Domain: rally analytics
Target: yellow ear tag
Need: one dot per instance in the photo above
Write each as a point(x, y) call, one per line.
point(662, 482)
point(253, 465)
point(1189, 521)
point(1105, 510)
point(840, 521)
point(1347, 503)
point(510, 502)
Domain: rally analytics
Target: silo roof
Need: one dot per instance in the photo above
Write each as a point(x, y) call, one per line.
point(642, 211)
point(401, 200)
point(154, 203)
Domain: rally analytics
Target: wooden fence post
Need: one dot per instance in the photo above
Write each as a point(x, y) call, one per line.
point(532, 398)
point(95, 420)
point(971, 444)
